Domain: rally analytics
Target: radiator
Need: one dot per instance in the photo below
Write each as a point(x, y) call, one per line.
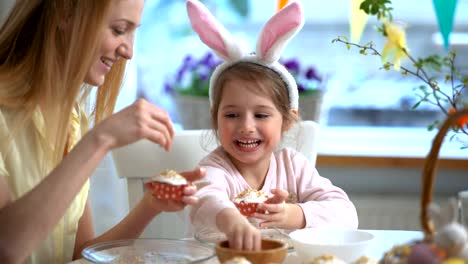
point(395, 212)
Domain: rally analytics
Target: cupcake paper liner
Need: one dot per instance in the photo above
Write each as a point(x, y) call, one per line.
point(166, 191)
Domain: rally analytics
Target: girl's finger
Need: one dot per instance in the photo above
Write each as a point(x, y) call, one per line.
point(271, 208)
point(190, 190)
point(235, 240)
point(190, 200)
point(257, 241)
point(248, 242)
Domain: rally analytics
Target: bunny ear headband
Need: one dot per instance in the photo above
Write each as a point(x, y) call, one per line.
point(272, 39)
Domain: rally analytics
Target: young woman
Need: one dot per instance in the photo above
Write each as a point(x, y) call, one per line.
point(254, 100)
point(52, 54)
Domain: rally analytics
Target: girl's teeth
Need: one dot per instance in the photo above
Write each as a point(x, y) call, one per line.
point(249, 143)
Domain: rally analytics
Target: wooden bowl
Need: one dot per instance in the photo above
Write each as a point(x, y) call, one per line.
point(273, 251)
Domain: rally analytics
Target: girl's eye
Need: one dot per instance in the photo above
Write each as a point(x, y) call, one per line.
point(261, 116)
point(231, 115)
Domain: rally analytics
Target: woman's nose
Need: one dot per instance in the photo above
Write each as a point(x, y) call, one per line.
point(125, 50)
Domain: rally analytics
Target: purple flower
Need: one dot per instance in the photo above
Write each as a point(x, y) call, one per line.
point(300, 87)
point(204, 76)
point(181, 72)
point(168, 87)
point(311, 74)
point(293, 66)
point(193, 75)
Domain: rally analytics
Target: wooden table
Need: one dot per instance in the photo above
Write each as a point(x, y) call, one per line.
point(384, 241)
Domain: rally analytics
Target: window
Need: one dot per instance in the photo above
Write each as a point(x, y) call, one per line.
point(358, 93)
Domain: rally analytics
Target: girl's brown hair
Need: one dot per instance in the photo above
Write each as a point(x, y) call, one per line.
point(270, 84)
point(46, 50)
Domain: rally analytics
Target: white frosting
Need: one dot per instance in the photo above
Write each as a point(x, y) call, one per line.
point(251, 196)
point(170, 177)
point(238, 260)
point(327, 259)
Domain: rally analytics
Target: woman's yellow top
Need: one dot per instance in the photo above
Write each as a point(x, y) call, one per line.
point(20, 165)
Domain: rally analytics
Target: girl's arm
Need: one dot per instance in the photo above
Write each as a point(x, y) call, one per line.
point(280, 214)
point(318, 202)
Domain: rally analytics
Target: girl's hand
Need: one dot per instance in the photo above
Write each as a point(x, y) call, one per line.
point(243, 236)
point(137, 121)
point(189, 194)
point(276, 210)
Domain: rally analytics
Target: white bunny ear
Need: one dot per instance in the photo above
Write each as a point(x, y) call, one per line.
point(278, 31)
point(212, 33)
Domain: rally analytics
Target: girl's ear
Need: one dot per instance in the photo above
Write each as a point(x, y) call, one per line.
point(289, 124)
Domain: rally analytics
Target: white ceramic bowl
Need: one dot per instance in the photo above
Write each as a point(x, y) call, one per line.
point(348, 245)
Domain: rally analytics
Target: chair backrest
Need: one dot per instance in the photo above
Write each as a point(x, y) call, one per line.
point(138, 162)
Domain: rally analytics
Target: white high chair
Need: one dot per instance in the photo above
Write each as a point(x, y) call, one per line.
point(138, 162)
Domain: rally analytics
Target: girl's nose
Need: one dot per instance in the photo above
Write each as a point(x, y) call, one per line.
point(248, 125)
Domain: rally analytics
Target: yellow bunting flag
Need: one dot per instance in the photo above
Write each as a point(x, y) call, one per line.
point(281, 4)
point(357, 21)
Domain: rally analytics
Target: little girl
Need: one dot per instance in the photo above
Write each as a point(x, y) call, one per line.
point(254, 100)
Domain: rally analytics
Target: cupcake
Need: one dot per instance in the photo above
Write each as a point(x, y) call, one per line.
point(365, 260)
point(168, 185)
point(237, 260)
point(248, 200)
point(327, 259)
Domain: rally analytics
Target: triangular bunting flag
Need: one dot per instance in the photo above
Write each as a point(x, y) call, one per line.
point(281, 4)
point(445, 12)
point(357, 21)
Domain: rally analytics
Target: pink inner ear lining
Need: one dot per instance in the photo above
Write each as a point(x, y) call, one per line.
point(270, 37)
point(288, 19)
point(211, 39)
point(206, 27)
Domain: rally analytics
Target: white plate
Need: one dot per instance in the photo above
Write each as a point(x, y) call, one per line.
point(148, 251)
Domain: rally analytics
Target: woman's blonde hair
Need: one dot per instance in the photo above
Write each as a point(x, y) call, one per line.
point(46, 50)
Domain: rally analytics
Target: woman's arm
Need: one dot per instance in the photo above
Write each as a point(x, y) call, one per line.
point(130, 227)
point(85, 231)
point(139, 217)
point(27, 221)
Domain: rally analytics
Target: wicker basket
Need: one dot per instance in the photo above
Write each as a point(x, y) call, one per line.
point(428, 173)
point(429, 250)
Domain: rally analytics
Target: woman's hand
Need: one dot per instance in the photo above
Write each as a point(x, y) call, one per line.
point(137, 121)
point(278, 213)
point(189, 197)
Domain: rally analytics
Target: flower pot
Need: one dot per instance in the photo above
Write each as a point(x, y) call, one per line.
point(310, 106)
point(193, 112)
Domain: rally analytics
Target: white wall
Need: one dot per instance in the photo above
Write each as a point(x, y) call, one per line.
point(5, 6)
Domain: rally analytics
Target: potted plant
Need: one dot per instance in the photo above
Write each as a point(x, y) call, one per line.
point(189, 89)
